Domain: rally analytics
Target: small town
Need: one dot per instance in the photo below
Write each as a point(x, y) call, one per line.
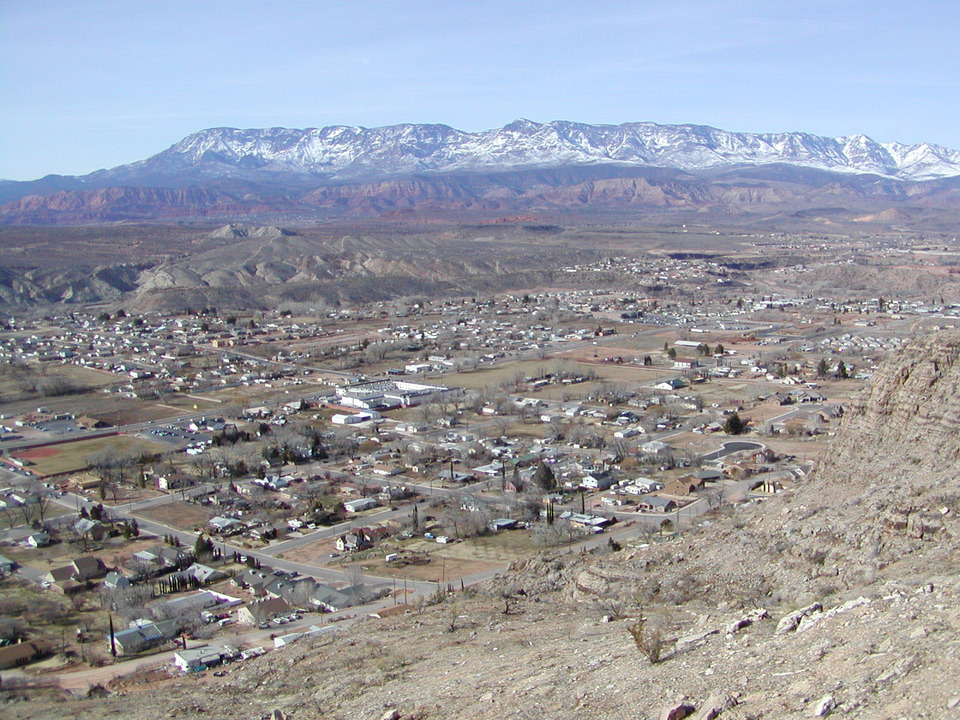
point(183, 491)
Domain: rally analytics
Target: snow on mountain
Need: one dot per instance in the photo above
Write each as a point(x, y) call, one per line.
point(340, 152)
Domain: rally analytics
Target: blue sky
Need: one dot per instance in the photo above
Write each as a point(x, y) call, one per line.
point(92, 84)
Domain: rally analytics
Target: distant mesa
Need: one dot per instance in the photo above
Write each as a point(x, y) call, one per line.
point(240, 230)
point(890, 215)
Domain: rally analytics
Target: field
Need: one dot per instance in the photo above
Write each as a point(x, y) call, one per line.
point(13, 384)
point(72, 456)
point(112, 551)
point(179, 515)
point(449, 562)
point(506, 373)
point(113, 409)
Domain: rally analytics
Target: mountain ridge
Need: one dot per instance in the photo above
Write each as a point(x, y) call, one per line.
point(318, 174)
point(351, 152)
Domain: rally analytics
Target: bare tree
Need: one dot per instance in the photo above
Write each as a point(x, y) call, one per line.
point(205, 466)
point(129, 602)
point(501, 425)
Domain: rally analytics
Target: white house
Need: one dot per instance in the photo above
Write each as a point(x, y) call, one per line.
point(193, 658)
point(360, 504)
point(282, 640)
point(343, 419)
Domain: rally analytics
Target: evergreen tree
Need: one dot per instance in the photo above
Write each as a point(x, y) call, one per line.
point(203, 546)
point(544, 477)
point(842, 373)
point(734, 425)
point(823, 368)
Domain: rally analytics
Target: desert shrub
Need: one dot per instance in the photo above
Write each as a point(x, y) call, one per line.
point(647, 639)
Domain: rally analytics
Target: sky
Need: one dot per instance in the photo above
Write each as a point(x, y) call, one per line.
point(94, 84)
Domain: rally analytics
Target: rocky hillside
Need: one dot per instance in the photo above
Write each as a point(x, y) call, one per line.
point(840, 599)
point(258, 266)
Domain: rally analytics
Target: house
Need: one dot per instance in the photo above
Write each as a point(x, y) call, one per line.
point(256, 581)
point(88, 568)
point(502, 524)
point(672, 384)
point(494, 469)
point(224, 525)
point(88, 423)
point(193, 659)
point(263, 610)
point(142, 637)
point(331, 600)
point(322, 597)
point(598, 481)
point(654, 447)
point(387, 469)
point(67, 587)
point(389, 493)
point(592, 523)
point(81, 570)
point(159, 558)
point(202, 574)
point(88, 528)
point(281, 640)
point(6, 565)
point(359, 505)
point(37, 539)
point(175, 481)
point(681, 487)
point(652, 503)
point(114, 580)
point(23, 653)
point(353, 541)
point(190, 604)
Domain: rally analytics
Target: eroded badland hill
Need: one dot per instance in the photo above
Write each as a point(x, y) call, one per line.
point(840, 598)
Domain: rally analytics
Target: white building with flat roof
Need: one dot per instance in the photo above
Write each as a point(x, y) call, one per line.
point(392, 393)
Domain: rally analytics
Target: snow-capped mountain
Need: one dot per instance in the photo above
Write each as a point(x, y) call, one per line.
point(349, 153)
point(519, 169)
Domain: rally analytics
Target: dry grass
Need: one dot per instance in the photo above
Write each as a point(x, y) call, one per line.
point(179, 515)
point(72, 456)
